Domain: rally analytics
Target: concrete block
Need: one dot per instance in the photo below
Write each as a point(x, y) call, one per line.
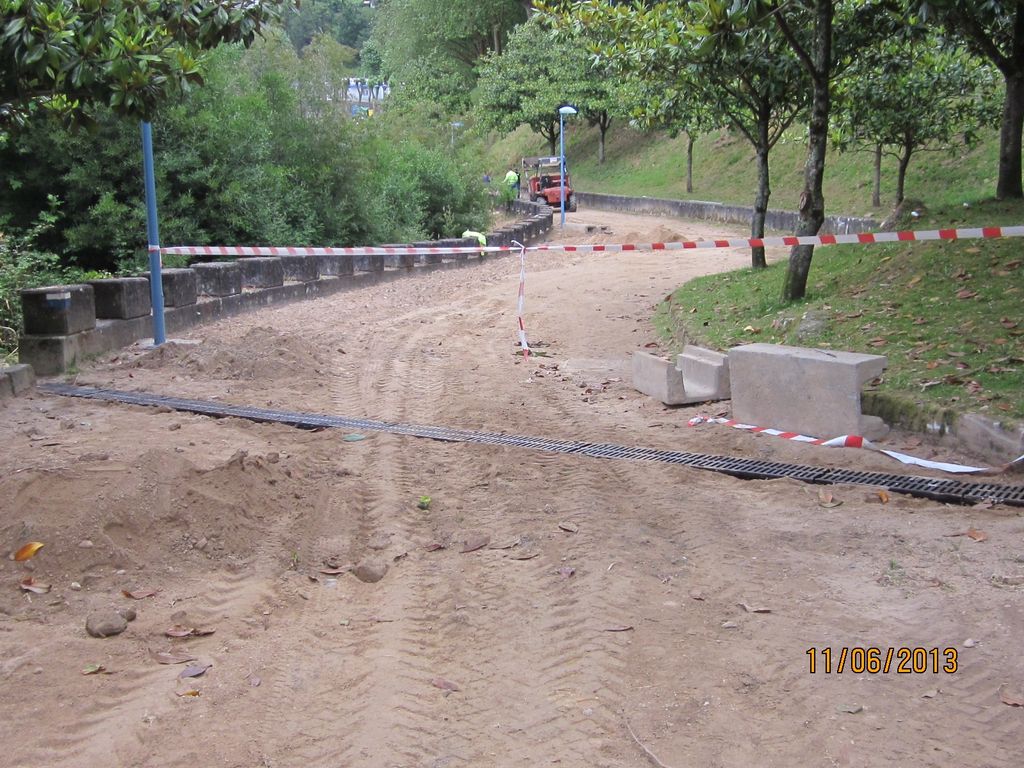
point(404, 260)
point(122, 298)
point(21, 377)
point(811, 391)
point(657, 377)
point(374, 263)
point(261, 272)
point(181, 287)
point(218, 278)
point(49, 355)
point(301, 269)
point(705, 373)
point(335, 265)
point(58, 310)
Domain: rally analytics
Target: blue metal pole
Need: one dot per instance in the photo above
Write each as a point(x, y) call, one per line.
point(561, 157)
point(156, 286)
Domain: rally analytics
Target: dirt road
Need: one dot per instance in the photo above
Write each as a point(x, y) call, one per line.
point(601, 620)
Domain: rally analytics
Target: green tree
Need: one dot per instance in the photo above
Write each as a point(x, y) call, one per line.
point(425, 44)
point(345, 21)
point(746, 74)
point(130, 55)
point(902, 99)
point(537, 73)
point(993, 30)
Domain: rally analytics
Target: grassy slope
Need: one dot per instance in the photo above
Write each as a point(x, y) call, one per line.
point(949, 316)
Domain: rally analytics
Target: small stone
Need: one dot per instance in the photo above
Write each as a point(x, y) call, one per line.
point(128, 614)
point(730, 625)
point(85, 544)
point(105, 624)
point(75, 586)
point(970, 642)
point(120, 572)
point(201, 544)
point(379, 541)
point(273, 457)
point(370, 571)
point(175, 426)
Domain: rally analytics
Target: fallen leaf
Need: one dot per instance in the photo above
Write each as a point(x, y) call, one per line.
point(444, 685)
point(851, 709)
point(31, 585)
point(139, 594)
point(335, 571)
point(28, 551)
point(754, 608)
point(930, 694)
point(525, 556)
point(914, 281)
point(433, 547)
point(827, 500)
point(93, 669)
point(696, 594)
point(173, 657)
point(475, 541)
point(1007, 323)
point(618, 628)
point(966, 293)
point(883, 496)
point(181, 631)
point(194, 670)
point(1010, 699)
point(191, 692)
point(569, 527)
point(730, 625)
point(976, 535)
point(355, 437)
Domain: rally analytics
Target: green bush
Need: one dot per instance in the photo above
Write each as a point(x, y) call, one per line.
point(24, 265)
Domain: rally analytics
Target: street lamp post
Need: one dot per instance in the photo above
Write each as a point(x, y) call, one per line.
point(456, 125)
point(563, 112)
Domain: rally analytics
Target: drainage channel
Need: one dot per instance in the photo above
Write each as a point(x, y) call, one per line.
point(954, 491)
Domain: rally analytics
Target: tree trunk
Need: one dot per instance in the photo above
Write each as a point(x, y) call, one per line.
point(901, 176)
point(603, 124)
point(764, 190)
point(876, 191)
point(812, 199)
point(1009, 184)
point(689, 163)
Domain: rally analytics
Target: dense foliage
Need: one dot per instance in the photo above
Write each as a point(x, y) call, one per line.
point(129, 55)
point(257, 156)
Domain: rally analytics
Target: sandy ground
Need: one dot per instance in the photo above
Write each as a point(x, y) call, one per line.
point(603, 624)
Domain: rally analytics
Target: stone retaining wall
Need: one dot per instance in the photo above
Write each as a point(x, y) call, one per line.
point(784, 221)
point(67, 323)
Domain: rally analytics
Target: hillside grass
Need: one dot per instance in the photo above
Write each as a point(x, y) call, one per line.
point(949, 316)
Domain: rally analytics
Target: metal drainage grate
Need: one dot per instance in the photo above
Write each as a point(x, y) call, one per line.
point(940, 489)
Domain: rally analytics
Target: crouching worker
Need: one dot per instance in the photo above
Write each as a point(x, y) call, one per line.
point(480, 237)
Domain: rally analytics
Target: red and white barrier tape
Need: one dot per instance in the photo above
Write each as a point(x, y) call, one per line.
point(862, 239)
point(523, 343)
point(850, 441)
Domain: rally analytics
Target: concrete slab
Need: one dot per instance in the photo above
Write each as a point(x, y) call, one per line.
point(261, 272)
point(58, 310)
point(335, 265)
point(218, 278)
point(301, 269)
point(705, 373)
point(811, 391)
point(368, 263)
point(122, 298)
point(181, 287)
point(658, 378)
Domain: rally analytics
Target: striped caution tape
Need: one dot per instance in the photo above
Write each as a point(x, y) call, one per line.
point(854, 441)
point(863, 238)
point(523, 343)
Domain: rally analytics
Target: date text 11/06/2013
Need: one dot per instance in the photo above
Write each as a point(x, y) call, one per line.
point(873, 661)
